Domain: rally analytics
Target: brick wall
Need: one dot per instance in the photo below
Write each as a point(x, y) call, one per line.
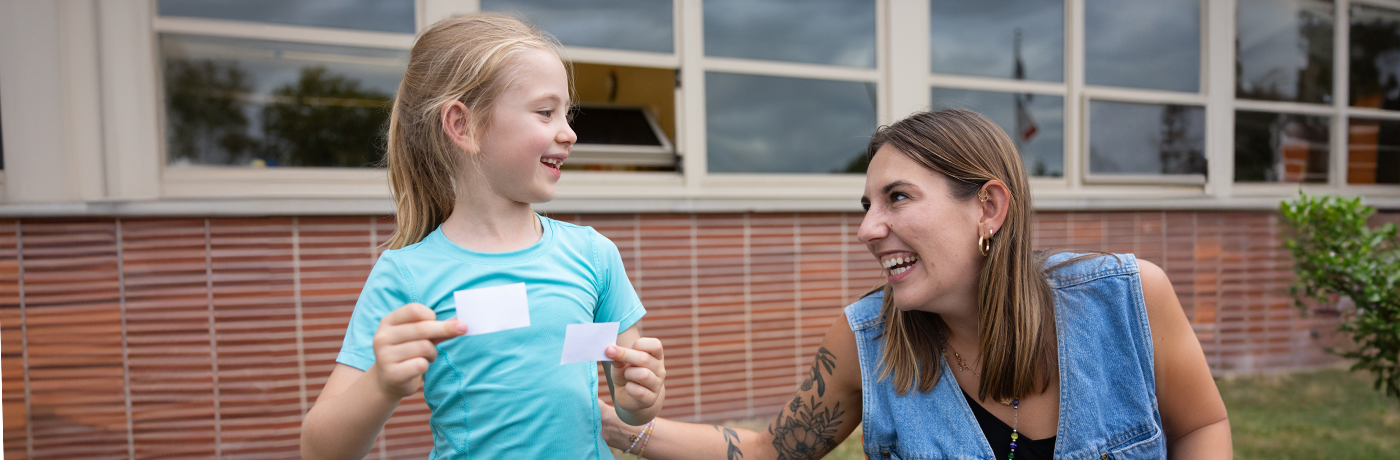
point(145, 338)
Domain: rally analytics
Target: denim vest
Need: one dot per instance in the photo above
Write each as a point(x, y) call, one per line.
point(1108, 399)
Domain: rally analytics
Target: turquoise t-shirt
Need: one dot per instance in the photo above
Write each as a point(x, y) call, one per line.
point(504, 394)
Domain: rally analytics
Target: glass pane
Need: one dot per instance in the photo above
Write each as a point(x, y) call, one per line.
point(1284, 50)
point(1280, 147)
point(262, 103)
point(1021, 39)
point(638, 25)
point(1034, 121)
point(1151, 44)
point(1131, 138)
point(378, 15)
point(760, 124)
point(1375, 57)
point(1373, 152)
point(837, 32)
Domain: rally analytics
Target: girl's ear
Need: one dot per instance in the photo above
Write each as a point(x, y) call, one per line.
point(995, 201)
point(457, 123)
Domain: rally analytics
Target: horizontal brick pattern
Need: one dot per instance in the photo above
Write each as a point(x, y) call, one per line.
point(176, 338)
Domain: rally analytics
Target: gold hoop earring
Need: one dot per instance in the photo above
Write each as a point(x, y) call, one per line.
point(982, 196)
point(984, 245)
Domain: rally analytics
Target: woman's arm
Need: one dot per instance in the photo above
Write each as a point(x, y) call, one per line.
point(641, 376)
point(823, 413)
point(354, 404)
point(1192, 412)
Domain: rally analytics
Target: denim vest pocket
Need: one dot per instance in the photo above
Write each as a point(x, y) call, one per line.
point(1139, 443)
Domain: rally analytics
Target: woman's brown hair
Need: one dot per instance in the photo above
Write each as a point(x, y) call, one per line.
point(1016, 330)
point(468, 58)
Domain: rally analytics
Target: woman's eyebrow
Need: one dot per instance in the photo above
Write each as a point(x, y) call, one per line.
point(893, 185)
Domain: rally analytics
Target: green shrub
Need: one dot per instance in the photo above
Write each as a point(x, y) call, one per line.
point(1338, 255)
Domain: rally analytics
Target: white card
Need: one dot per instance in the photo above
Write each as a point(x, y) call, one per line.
point(588, 342)
point(493, 309)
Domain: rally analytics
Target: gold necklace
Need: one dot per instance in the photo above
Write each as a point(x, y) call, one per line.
point(962, 366)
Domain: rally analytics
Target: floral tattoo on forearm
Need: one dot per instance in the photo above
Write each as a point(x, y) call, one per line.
point(809, 429)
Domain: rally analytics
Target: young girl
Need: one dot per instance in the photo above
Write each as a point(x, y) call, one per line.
point(477, 134)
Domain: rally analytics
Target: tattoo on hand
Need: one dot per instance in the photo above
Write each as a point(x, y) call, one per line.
point(809, 432)
point(731, 437)
point(824, 361)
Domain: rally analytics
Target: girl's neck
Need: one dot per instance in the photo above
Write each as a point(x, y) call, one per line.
point(492, 225)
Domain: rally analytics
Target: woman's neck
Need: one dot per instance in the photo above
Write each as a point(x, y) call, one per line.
point(492, 225)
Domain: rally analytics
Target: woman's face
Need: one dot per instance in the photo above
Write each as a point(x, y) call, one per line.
point(924, 237)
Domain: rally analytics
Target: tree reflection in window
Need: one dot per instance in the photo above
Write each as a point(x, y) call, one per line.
point(325, 119)
point(205, 116)
point(322, 119)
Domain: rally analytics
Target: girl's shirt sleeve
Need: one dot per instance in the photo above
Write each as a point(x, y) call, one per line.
point(386, 290)
point(617, 301)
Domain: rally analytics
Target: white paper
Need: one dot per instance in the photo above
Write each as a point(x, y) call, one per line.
point(588, 342)
point(493, 309)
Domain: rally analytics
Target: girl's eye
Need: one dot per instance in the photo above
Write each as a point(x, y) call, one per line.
point(546, 112)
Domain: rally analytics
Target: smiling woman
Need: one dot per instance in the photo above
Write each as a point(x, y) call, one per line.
point(1062, 355)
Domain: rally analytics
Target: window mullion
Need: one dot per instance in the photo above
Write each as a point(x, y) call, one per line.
point(1341, 93)
point(692, 54)
point(1076, 130)
point(1219, 86)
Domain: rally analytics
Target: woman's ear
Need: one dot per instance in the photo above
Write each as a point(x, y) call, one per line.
point(995, 200)
point(457, 123)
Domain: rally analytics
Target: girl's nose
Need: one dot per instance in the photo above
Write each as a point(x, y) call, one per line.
point(566, 135)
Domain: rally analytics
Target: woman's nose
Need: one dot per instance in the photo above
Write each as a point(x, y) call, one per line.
point(872, 227)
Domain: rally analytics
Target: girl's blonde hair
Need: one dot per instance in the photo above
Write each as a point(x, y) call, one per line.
point(1016, 329)
point(468, 58)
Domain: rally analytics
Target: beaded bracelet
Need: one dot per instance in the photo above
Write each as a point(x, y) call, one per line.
point(645, 440)
point(646, 432)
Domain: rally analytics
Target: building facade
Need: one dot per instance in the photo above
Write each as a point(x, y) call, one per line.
point(190, 201)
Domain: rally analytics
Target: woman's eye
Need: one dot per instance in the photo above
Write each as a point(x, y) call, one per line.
point(897, 196)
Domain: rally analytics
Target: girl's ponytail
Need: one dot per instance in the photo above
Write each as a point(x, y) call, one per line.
point(463, 58)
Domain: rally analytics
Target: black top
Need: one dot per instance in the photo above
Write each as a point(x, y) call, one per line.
point(998, 434)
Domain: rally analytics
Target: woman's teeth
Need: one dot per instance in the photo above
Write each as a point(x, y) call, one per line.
point(897, 265)
point(552, 161)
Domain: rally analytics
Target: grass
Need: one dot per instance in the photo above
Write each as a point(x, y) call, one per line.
point(1327, 414)
point(1331, 414)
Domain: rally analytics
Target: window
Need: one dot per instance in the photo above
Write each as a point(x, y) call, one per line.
point(1035, 123)
point(1280, 147)
point(238, 95)
point(1284, 49)
point(1009, 44)
point(1019, 39)
point(1148, 44)
point(794, 118)
point(637, 25)
point(1146, 139)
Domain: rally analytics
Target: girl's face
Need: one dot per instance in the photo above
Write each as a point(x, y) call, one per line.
point(528, 136)
point(924, 237)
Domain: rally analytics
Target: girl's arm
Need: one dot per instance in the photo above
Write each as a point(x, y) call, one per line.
point(642, 376)
point(354, 404)
point(1193, 414)
point(825, 410)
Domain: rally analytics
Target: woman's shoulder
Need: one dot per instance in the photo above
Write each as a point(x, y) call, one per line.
point(866, 311)
point(1064, 269)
